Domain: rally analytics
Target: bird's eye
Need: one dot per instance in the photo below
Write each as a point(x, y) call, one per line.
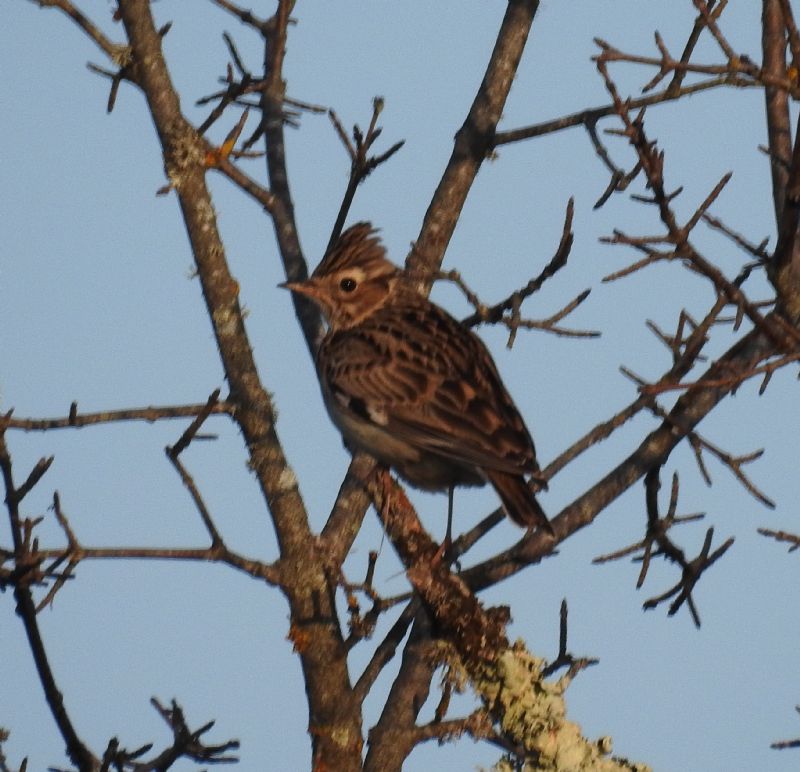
point(347, 285)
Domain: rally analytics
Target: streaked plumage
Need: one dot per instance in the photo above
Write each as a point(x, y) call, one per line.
point(406, 382)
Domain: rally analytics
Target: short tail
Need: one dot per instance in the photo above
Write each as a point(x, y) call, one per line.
point(518, 500)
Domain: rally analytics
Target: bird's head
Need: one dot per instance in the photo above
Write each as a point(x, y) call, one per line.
point(353, 280)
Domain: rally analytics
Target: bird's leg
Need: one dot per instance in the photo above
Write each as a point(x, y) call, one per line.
point(448, 536)
point(444, 548)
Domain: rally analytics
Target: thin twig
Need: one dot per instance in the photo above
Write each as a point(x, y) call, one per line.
point(150, 414)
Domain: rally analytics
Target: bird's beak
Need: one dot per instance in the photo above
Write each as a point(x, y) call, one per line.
point(308, 287)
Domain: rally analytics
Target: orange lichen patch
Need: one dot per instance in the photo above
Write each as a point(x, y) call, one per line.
point(299, 637)
point(215, 155)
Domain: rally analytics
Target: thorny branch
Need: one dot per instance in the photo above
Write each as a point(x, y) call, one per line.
point(749, 352)
point(686, 351)
point(28, 569)
point(790, 538)
point(361, 164)
point(699, 443)
point(149, 414)
point(35, 565)
point(674, 91)
point(592, 115)
point(508, 311)
point(784, 744)
point(248, 84)
point(186, 744)
point(657, 543)
point(362, 625)
point(739, 70)
point(4, 763)
point(783, 334)
point(116, 52)
point(564, 659)
point(21, 530)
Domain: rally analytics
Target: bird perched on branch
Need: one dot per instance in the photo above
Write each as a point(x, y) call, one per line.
point(413, 387)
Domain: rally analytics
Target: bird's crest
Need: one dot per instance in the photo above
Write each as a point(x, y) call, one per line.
point(358, 246)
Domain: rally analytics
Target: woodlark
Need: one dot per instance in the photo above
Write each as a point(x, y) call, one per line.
point(407, 383)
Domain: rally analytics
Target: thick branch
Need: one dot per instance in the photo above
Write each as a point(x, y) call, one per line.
point(688, 411)
point(335, 722)
point(473, 141)
point(393, 738)
point(773, 44)
point(271, 103)
point(529, 713)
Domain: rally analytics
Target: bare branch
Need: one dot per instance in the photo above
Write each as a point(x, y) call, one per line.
point(773, 44)
point(564, 658)
point(361, 164)
point(584, 117)
point(116, 52)
point(784, 744)
point(792, 539)
point(386, 650)
point(699, 25)
point(149, 414)
point(473, 141)
point(77, 750)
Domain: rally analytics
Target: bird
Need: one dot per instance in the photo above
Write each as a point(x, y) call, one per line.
point(412, 386)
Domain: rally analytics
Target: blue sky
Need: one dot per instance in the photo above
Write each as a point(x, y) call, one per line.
point(97, 304)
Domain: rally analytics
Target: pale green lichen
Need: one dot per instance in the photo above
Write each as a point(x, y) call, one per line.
point(342, 737)
point(186, 153)
point(531, 712)
point(121, 55)
point(226, 321)
point(287, 479)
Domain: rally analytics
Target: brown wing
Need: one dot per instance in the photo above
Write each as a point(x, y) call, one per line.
point(419, 373)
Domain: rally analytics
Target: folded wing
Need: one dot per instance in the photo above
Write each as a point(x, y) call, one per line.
point(430, 381)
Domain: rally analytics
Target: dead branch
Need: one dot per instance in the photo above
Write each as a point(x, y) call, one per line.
point(150, 414)
point(4, 763)
point(756, 250)
point(473, 141)
point(559, 259)
point(116, 52)
point(475, 637)
point(564, 659)
point(657, 543)
point(731, 381)
point(792, 539)
point(386, 649)
point(77, 750)
point(716, 9)
point(690, 347)
point(784, 334)
point(739, 70)
point(583, 117)
point(784, 744)
point(174, 451)
point(361, 163)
